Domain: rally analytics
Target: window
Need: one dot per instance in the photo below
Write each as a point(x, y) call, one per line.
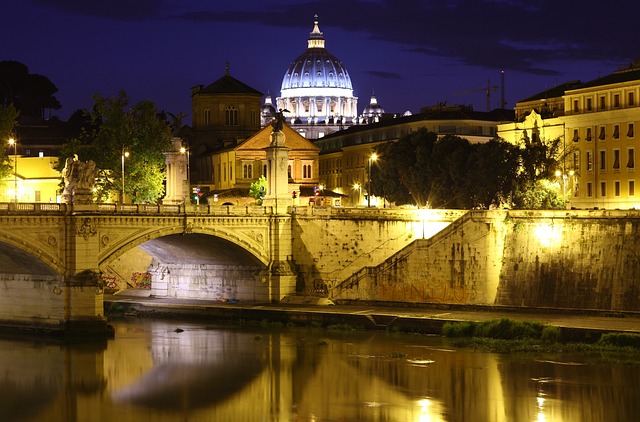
point(231, 116)
point(588, 134)
point(207, 117)
point(576, 160)
point(616, 131)
point(575, 106)
point(264, 170)
point(616, 188)
point(230, 172)
point(589, 104)
point(616, 159)
point(616, 100)
point(631, 158)
point(289, 171)
point(603, 134)
point(576, 138)
point(589, 189)
point(306, 171)
point(631, 100)
point(603, 103)
point(589, 163)
point(603, 188)
point(632, 187)
point(603, 160)
point(247, 171)
point(630, 131)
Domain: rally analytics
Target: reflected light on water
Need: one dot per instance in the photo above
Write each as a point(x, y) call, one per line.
point(427, 411)
point(541, 417)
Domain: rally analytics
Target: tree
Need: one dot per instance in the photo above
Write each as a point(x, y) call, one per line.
point(30, 93)
point(538, 162)
point(8, 119)
point(258, 189)
point(116, 129)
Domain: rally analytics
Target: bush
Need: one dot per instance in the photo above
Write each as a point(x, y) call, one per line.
point(551, 335)
point(620, 340)
point(458, 329)
point(503, 329)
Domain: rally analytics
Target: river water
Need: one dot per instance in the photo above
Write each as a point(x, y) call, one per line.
point(176, 371)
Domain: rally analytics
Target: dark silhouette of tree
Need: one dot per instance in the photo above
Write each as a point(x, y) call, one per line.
point(31, 94)
point(8, 119)
point(450, 172)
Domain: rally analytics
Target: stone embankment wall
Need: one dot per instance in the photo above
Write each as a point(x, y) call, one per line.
point(556, 259)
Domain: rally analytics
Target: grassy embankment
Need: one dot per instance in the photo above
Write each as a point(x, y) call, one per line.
point(506, 335)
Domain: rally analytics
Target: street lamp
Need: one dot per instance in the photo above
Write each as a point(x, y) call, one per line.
point(358, 188)
point(372, 158)
point(185, 150)
point(125, 154)
point(14, 143)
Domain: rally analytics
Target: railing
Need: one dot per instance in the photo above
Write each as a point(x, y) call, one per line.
point(56, 208)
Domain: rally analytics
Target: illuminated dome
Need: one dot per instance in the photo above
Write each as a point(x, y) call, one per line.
point(316, 87)
point(373, 111)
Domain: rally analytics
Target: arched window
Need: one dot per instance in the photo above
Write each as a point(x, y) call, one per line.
point(306, 171)
point(289, 171)
point(247, 171)
point(231, 116)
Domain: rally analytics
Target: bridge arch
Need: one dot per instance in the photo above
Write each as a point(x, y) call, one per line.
point(254, 244)
point(31, 257)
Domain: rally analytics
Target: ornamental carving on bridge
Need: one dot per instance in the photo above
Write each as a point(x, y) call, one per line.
point(87, 229)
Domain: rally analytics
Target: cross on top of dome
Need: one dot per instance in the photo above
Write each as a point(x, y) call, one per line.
point(316, 39)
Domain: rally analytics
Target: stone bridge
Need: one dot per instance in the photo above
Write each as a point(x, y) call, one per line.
point(56, 258)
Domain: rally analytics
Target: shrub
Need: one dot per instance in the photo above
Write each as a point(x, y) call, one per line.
point(620, 340)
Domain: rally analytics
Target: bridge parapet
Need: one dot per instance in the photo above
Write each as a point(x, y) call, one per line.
point(145, 209)
point(398, 214)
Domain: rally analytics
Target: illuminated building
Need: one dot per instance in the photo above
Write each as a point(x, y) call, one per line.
point(317, 91)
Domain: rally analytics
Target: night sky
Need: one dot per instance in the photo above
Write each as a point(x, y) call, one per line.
point(410, 53)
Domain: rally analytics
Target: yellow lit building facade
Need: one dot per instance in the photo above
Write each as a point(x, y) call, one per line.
point(597, 123)
point(36, 180)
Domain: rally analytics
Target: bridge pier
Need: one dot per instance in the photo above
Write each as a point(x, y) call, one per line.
point(280, 275)
point(82, 290)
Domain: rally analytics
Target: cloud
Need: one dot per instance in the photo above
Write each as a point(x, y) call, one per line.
point(124, 10)
point(495, 34)
point(383, 75)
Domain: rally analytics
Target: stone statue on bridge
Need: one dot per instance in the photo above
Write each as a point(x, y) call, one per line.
point(79, 179)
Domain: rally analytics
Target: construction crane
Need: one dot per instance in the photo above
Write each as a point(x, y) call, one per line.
point(487, 89)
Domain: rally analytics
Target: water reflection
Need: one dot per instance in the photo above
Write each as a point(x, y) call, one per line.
point(153, 372)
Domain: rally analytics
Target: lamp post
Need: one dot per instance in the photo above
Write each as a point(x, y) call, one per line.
point(373, 157)
point(357, 188)
point(14, 143)
point(185, 150)
point(125, 154)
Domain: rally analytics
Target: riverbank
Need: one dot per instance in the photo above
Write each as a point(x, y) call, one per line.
point(576, 325)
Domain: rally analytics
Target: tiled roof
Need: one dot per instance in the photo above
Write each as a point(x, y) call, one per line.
point(228, 85)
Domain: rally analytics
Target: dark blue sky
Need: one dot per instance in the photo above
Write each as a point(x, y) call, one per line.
point(411, 53)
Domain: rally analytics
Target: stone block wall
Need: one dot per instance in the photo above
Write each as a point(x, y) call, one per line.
point(210, 282)
point(555, 259)
point(32, 300)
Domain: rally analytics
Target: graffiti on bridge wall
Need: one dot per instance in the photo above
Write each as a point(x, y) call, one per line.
point(427, 292)
point(141, 280)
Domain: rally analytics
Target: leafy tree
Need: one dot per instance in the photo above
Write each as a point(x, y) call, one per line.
point(8, 118)
point(30, 93)
point(538, 161)
point(117, 128)
point(491, 172)
point(258, 189)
